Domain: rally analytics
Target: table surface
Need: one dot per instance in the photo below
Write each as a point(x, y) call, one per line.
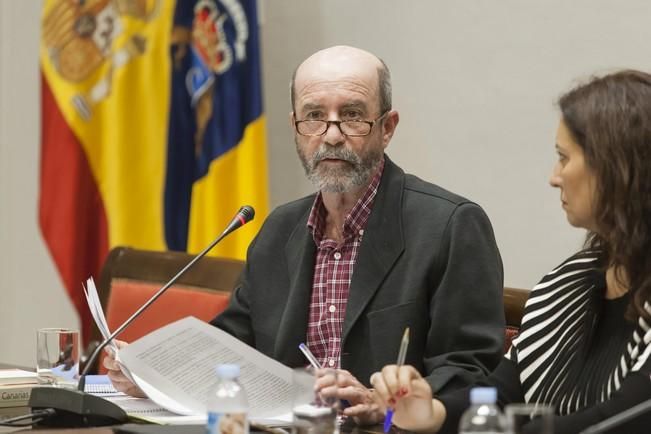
point(347, 428)
point(7, 412)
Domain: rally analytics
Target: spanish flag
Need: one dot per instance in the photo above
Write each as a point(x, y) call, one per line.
point(153, 132)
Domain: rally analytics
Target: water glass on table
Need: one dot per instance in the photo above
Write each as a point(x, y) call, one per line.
point(312, 412)
point(519, 415)
point(57, 357)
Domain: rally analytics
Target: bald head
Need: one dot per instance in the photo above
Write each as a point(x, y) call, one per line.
point(340, 63)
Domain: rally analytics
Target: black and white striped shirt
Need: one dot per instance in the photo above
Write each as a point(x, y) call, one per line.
point(575, 347)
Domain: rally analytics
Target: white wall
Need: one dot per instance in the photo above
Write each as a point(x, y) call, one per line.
point(31, 293)
point(474, 81)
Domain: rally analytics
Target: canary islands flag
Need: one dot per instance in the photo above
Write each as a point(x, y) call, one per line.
point(153, 132)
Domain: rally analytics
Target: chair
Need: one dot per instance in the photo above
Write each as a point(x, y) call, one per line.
point(514, 301)
point(131, 276)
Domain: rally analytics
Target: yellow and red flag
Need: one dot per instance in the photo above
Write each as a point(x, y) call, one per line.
point(153, 132)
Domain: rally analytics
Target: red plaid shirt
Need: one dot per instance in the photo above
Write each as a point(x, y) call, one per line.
point(333, 270)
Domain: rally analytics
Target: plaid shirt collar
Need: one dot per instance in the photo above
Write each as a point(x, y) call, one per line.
point(356, 219)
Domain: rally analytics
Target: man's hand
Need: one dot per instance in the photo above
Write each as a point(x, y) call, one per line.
point(362, 407)
point(119, 380)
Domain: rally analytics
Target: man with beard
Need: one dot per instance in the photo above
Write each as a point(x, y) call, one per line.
point(374, 251)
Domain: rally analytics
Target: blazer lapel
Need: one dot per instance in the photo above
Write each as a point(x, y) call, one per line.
point(300, 252)
point(381, 246)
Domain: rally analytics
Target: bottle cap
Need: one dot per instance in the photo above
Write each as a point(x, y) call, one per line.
point(483, 395)
point(228, 371)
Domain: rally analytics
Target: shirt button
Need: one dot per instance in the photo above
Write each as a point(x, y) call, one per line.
point(331, 363)
point(337, 255)
point(361, 232)
point(332, 308)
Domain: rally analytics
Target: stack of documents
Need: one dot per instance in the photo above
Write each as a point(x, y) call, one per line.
point(16, 386)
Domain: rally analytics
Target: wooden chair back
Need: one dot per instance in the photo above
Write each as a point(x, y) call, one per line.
point(131, 276)
point(514, 301)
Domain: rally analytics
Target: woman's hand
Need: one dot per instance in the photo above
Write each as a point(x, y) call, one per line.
point(117, 377)
point(404, 390)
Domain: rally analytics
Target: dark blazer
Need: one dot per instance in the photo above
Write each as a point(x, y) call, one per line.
point(428, 261)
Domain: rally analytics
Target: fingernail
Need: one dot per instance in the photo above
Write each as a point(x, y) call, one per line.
point(392, 401)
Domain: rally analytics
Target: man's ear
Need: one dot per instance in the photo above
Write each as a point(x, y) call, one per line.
point(389, 126)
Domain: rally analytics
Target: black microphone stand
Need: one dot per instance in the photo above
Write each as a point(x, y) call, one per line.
point(136, 314)
point(619, 419)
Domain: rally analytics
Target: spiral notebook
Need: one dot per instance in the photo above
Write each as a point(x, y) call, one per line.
point(140, 408)
point(99, 385)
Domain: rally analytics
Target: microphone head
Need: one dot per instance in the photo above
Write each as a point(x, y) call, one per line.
point(247, 212)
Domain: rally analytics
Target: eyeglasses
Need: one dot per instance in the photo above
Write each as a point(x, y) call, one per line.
point(356, 128)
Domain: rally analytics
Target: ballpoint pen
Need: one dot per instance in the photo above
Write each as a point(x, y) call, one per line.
point(402, 353)
point(316, 365)
point(309, 356)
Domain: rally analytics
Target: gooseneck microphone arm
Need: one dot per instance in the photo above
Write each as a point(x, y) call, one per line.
point(58, 407)
point(243, 216)
point(619, 418)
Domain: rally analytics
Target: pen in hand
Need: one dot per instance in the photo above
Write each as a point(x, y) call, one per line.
point(402, 354)
point(309, 356)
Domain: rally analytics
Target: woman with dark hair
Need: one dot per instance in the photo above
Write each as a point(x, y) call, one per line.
point(585, 339)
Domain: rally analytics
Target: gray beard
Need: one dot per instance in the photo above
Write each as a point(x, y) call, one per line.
point(357, 173)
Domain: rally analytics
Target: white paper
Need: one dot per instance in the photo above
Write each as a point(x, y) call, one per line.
point(180, 359)
point(95, 306)
point(162, 399)
point(17, 376)
point(139, 406)
point(146, 409)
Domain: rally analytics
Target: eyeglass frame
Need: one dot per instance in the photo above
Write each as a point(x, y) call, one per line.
point(371, 124)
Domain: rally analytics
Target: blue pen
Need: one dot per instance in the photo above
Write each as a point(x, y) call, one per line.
point(309, 356)
point(402, 354)
point(316, 365)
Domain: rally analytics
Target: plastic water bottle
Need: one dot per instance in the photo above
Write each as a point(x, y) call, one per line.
point(227, 406)
point(483, 415)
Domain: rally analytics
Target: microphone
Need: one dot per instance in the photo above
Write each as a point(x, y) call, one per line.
point(75, 408)
point(618, 419)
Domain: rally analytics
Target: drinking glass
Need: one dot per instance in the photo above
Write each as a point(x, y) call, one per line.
point(57, 357)
point(312, 412)
point(519, 415)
